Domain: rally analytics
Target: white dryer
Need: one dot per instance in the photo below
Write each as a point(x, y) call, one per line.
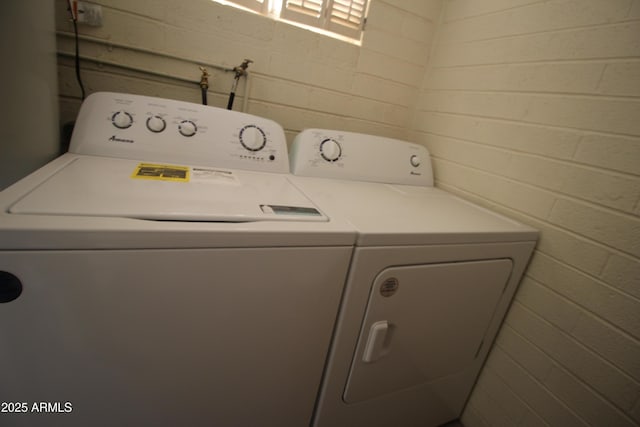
point(165, 272)
point(431, 279)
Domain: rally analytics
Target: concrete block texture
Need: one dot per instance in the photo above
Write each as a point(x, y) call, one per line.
point(330, 82)
point(541, 99)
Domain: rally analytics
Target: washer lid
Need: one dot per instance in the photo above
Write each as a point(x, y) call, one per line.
point(98, 186)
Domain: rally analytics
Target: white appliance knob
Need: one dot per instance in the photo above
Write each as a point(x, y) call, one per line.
point(187, 128)
point(415, 161)
point(122, 120)
point(330, 150)
point(252, 138)
point(156, 124)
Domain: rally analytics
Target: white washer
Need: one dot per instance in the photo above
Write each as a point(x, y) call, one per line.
point(430, 282)
point(146, 279)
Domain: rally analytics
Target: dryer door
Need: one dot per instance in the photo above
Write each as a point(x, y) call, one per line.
point(423, 323)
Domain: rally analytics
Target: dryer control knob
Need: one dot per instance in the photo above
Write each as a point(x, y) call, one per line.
point(156, 124)
point(415, 161)
point(187, 128)
point(252, 138)
point(330, 150)
point(122, 120)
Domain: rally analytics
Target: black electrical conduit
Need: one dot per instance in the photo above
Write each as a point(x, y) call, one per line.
point(74, 19)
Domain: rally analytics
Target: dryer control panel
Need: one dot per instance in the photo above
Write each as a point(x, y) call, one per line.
point(354, 156)
point(162, 130)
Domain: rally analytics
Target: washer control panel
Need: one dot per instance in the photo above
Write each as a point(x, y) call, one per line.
point(346, 155)
point(147, 128)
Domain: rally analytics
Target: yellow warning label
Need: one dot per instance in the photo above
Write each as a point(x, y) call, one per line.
point(161, 172)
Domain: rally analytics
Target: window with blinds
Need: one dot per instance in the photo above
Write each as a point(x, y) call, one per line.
point(345, 17)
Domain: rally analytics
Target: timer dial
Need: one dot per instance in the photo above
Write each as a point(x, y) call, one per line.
point(415, 161)
point(122, 119)
point(187, 128)
point(156, 124)
point(252, 138)
point(330, 150)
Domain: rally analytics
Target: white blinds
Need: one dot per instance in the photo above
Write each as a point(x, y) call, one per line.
point(344, 17)
point(308, 7)
point(348, 12)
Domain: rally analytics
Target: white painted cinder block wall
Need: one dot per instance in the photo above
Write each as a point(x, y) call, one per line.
point(299, 78)
point(532, 108)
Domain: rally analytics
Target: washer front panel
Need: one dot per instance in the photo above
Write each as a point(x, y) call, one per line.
point(208, 337)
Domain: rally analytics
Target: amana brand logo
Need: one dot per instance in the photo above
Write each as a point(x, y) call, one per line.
point(116, 139)
point(415, 173)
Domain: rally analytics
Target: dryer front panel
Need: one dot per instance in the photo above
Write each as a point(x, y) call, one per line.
point(423, 323)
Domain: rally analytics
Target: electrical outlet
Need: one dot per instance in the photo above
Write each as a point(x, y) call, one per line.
point(87, 13)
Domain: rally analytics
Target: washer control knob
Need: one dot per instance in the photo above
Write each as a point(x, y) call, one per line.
point(156, 124)
point(252, 138)
point(330, 150)
point(187, 128)
point(415, 161)
point(122, 119)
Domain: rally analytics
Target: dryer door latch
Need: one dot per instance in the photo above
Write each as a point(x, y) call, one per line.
point(377, 342)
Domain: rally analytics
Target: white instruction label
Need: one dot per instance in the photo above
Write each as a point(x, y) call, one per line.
point(214, 176)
